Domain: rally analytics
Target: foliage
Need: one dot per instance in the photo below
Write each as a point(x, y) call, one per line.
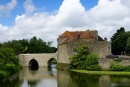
point(117, 60)
point(9, 63)
point(3, 74)
point(83, 59)
point(119, 41)
point(127, 49)
point(103, 72)
point(119, 31)
point(116, 67)
point(92, 59)
point(54, 61)
point(94, 68)
point(33, 45)
point(77, 60)
point(127, 68)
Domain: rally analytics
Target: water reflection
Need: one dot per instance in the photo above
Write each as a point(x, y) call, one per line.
point(50, 77)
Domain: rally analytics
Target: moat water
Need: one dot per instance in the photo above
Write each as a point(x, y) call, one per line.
point(44, 77)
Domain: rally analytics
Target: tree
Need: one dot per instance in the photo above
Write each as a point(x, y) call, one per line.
point(128, 46)
point(9, 63)
point(84, 59)
point(118, 41)
point(37, 46)
point(33, 45)
point(77, 60)
point(119, 31)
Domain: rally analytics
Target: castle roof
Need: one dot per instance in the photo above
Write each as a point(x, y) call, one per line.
point(71, 36)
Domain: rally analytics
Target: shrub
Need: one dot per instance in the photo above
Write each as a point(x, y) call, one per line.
point(127, 68)
point(92, 59)
point(77, 60)
point(3, 74)
point(117, 67)
point(117, 60)
point(112, 56)
point(94, 68)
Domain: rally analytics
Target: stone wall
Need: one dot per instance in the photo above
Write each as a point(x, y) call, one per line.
point(105, 62)
point(103, 48)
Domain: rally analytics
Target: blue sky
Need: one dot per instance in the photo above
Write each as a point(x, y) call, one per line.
point(47, 19)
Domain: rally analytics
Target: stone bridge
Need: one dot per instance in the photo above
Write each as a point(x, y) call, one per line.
point(43, 59)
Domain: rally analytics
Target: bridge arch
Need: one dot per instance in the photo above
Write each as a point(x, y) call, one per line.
point(42, 59)
point(51, 61)
point(33, 64)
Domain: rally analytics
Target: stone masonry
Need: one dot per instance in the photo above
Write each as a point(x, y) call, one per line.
point(68, 42)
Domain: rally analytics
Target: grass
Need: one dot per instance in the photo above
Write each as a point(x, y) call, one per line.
point(103, 72)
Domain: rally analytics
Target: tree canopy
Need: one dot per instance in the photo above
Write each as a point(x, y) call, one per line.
point(33, 45)
point(9, 63)
point(119, 41)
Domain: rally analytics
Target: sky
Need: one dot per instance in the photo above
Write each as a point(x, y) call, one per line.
point(47, 19)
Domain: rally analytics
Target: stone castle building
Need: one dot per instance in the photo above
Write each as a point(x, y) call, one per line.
point(68, 42)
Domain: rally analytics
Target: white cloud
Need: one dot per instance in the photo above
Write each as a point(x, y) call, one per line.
point(29, 7)
point(106, 17)
point(5, 10)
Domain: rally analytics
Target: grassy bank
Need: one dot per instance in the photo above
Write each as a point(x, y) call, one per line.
point(103, 72)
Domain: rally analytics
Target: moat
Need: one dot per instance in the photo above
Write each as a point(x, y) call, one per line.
point(44, 77)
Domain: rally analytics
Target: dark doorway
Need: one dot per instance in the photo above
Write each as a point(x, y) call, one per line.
point(33, 64)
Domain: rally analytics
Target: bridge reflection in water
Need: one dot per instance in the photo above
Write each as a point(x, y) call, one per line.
point(42, 72)
point(44, 77)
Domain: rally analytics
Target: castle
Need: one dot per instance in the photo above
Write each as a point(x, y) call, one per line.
point(68, 42)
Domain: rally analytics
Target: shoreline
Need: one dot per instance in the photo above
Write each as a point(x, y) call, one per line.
point(102, 72)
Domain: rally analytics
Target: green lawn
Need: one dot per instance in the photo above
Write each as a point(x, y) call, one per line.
point(103, 72)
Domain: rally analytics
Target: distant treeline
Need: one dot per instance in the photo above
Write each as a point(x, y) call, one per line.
point(33, 45)
point(121, 42)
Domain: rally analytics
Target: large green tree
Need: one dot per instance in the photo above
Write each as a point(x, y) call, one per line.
point(33, 45)
point(119, 31)
point(119, 41)
point(128, 46)
point(9, 63)
point(84, 59)
point(77, 60)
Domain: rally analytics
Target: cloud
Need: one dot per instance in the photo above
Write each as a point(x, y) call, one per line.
point(29, 7)
point(5, 10)
point(106, 17)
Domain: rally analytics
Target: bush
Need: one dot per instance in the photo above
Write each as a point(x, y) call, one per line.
point(92, 59)
point(3, 74)
point(112, 56)
point(117, 67)
point(117, 60)
point(94, 68)
point(127, 68)
point(77, 60)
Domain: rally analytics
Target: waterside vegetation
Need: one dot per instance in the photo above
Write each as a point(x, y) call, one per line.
point(103, 72)
point(9, 63)
point(87, 62)
point(9, 51)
